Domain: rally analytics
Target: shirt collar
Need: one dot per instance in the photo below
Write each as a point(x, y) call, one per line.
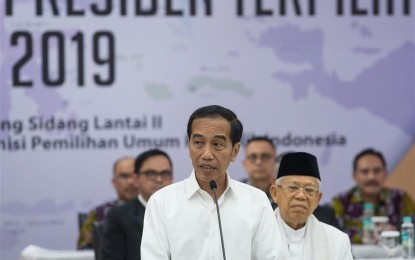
point(142, 200)
point(192, 186)
point(294, 235)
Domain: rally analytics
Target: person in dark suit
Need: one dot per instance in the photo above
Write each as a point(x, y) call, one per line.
point(325, 213)
point(123, 225)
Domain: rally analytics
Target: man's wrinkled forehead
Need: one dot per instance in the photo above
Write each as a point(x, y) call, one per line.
point(301, 180)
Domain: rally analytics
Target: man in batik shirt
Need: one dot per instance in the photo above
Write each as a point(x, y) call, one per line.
point(369, 173)
point(125, 184)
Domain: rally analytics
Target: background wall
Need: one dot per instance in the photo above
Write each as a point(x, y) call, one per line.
point(403, 176)
point(86, 82)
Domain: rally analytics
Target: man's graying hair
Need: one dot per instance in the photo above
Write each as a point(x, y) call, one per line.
point(115, 164)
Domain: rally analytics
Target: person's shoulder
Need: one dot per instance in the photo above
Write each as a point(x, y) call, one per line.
point(242, 185)
point(101, 210)
point(332, 231)
point(329, 228)
point(169, 190)
point(345, 195)
point(128, 206)
point(396, 193)
point(105, 205)
point(244, 189)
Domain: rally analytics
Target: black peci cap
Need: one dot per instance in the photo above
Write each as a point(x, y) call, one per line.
point(299, 163)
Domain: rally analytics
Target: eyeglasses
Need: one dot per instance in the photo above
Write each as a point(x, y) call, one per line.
point(152, 174)
point(262, 156)
point(294, 189)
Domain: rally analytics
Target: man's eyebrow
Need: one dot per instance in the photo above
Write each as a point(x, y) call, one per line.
point(222, 137)
point(196, 136)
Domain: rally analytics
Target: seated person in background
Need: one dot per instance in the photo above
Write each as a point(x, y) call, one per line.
point(297, 193)
point(323, 213)
point(369, 173)
point(259, 164)
point(123, 226)
point(125, 185)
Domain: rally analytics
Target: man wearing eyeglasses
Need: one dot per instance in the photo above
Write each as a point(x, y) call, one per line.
point(259, 164)
point(297, 193)
point(124, 225)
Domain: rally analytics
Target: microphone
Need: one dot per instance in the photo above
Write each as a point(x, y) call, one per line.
point(213, 187)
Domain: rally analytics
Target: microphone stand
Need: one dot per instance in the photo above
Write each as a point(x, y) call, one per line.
point(213, 187)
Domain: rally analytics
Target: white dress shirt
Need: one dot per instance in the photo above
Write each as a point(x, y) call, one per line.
point(295, 239)
point(181, 223)
point(315, 241)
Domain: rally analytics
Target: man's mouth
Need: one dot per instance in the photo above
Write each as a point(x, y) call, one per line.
point(207, 167)
point(299, 206)
point(130, 189)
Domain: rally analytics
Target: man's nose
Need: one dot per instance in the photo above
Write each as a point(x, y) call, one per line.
point(207, 152)
point(131, 179)
point(301, 195)
point(159, 178)
point(371, 174)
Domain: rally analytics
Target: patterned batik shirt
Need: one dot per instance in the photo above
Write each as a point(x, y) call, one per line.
point(97, 214)
point(348, 208)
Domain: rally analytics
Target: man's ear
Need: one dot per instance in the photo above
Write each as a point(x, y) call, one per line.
point(320, 195)
point(188, 146)
point(273, 191)
point(235, 151)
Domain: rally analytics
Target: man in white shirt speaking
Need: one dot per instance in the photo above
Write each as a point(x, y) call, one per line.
point(297, 193)
point(181, 221)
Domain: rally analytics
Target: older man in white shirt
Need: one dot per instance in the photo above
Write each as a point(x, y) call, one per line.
point(181, 221)
point(297, 193)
